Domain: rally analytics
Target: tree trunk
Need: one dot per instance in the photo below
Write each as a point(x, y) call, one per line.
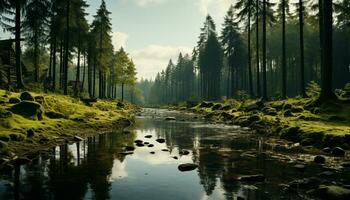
point(264, 52)
point(54, 65)
point(327, 52)
point(20, 84)
point(302, 60)
point(122, 92)
point(258, 89)
point(66, 51)
point(77, 77)
point(84, 70)
point(249, 51)
point(36, 54)
point(284, 62)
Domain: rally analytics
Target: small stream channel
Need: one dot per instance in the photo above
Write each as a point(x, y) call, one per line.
point(101, 168)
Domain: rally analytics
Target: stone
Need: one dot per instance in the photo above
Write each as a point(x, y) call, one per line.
point(40, 99)
point(138, 141)
point(152, 152)
point(140, 145)
point(16, 137)
point(165, 150)
point(5, 114)
point(148, 136)
point(319, 159)
point(333, 192)
point(126, 153)
point(28, 109)
point(151, 145)
point(307, 142)
point(339, 152)
point(327, 150)
point(14, 100)
point(175, 157)
point(160, 140)
point(129, 148)
point(54, 115)
point(288, 113)
point(26, 96)
point(187, 167)
point(170, 118)
point(30, 133)
point(252, 178)
point(146, 143)
point(184, 152)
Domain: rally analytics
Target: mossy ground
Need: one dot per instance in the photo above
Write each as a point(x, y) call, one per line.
point(294, 119)
point(75, 118)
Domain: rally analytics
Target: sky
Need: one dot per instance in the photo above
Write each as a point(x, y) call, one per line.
point(154, 31)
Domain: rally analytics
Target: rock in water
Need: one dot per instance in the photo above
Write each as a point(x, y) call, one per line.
point(337, 151)
point(26, 96)
point(160, 140)
point(333, 192)
point(187, 167)
point(129, 148)
point(319, 159)
point(252, 178)
point(170, 118)
point(148, 136)
point(28, 109)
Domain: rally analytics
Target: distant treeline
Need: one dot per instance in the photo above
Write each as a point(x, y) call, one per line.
point(265, 49)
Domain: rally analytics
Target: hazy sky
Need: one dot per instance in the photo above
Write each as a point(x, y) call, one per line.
point(153, 31)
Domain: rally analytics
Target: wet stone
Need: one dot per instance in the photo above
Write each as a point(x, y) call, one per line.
point(187, 167)
point(148, 136)
point(129, 148)
point(184, 152)
point(320, 159)
point(170, 118)
point(327, 150)
point(160, 140)
point(151, 145)
point(140, 145)
point(165, 150)
point(152, 152)
point(339, 152)
point(252, 178)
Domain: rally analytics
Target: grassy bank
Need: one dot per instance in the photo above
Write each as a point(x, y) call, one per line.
point(32, 122)
point(296, 119)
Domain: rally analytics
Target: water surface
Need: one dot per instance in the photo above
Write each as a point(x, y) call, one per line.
point(98, 167)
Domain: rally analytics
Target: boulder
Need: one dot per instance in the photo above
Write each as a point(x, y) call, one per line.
point(129, 148)
point(187, 167)
point(332, 192)
point(40, 99)
point(217, 107)
point(151, 145)
point(160, 140)
point(30, 133)
point(5, 114)
point(252, 178)
point(339, 152)
point(26, 96)
point(140, 145)
point(28, 109)
point(148, 136)
point(14, 100)
point(54, 115)
point(319, 159)
point(184, 152)
point(327, 150)
point(170, 118)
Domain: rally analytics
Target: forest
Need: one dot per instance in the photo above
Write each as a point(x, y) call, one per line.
point(256, 107)
point(268, 49)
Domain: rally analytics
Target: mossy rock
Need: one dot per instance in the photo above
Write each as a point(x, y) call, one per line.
point(288, 113)
point(28, 109)
point(17, 137)
point(3, 147)
point(40, 99)
point(5, 114)
point(54, 115)
point(14, 100)
point(217, 107)
point(227, 116)
point(287, 106)
point(26, 96)
point(4, 138)
point(206, 104)
point(291, 133)
point(297, 109)
point(30, 133)
point(333, 192)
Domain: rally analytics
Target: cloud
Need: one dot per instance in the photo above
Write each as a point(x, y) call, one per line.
point(145, 3)
point(216, 8)
point(154, 58)
point(119, 39)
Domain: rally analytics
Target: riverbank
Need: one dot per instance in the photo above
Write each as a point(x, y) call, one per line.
point(296, 120)
point(31, 123)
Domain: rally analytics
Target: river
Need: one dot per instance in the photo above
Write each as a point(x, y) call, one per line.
point(101, 168)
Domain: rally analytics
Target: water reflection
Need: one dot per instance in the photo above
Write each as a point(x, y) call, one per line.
point(98, 168)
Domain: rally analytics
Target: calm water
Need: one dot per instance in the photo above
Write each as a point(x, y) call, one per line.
point(98, 169)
